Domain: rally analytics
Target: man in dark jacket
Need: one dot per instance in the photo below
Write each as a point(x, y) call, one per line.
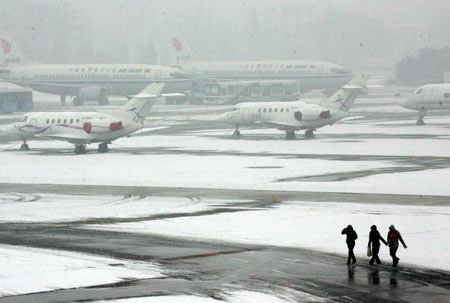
point(351, 237)
point(374, 238)
point(393, 237)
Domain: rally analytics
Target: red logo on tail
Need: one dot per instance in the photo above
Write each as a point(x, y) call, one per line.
point(5, 45)
point(177, 44)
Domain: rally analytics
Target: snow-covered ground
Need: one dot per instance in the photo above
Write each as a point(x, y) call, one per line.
point(193, 166)
point(317, 226)
point(59, 208)
point(28, 270)
point(242, 296)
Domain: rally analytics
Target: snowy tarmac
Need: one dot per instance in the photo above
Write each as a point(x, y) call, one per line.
point(186, 213)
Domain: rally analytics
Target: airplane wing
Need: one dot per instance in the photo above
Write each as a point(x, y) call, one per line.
point(278, 125)
point(57, 88)
point(69, 138)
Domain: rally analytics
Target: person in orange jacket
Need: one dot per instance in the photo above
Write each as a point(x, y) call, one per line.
point(393, 237)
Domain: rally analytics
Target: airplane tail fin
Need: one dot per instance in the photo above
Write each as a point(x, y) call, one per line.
point(138, 107)
point(345, 96)
point(10, 53)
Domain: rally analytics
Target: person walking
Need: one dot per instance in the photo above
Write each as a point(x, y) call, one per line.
point(374, 239)
point(351, 238)
point(393, 237)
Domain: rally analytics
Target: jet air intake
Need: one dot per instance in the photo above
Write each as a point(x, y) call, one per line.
point(325, 114)
point(298, 116)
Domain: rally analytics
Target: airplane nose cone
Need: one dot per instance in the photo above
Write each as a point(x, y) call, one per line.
point(405, 103)
point(222, 118)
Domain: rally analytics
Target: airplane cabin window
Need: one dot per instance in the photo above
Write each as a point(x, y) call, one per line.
point(264, 110)
point(65, 121)
point(53, 121)
point(270, 110)
point(78, 120)
point(281, 110)
point(59, 120)
point(48, 120)
point(259, 110)
point(447, 95)
point(287, 109)
point(275, 110)
point(71, 121)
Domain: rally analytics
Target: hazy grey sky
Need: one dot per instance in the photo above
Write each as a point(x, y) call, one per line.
point(357, 34)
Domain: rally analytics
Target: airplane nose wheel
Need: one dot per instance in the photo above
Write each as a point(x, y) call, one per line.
point(103, 148)
point(420, 122)
point(236, 133)
point(24, 147)
point(309, 134)
point(80, 149)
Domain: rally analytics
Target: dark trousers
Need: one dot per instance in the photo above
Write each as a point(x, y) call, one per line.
point(392, 252)
point(351, 255)
point(375, 251)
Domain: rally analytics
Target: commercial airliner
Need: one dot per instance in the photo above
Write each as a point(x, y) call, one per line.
point(84, 82)
point(428, 97)
point(310, 74)
point(296, 115)
point(81, 128)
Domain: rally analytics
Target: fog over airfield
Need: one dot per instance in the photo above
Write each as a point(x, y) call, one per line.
point(359, 34)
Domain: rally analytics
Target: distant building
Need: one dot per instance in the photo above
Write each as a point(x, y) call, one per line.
point(446, 77)
point(15, 100)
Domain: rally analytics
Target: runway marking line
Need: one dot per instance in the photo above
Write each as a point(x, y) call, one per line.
point(219, 253)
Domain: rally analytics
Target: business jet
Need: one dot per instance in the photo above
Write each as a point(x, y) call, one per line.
point(428, 97)
point(84, 82)
point(310, 74)
point(296, 115)
point(81, 128)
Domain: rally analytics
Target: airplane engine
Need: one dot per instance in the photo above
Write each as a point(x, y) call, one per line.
point(92, 93)
point(100, 126)
point(312, 114)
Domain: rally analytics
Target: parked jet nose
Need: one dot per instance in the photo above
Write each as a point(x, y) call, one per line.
point(223, 117)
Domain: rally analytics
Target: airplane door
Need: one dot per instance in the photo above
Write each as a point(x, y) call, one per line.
point(158, 73)
point(246, 115)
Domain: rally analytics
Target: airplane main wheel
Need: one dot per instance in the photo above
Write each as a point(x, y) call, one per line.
point(77, 101)
point(236, 133)
point(103, 100)
point(309, 133)
point(103, 148)
point(80, 149)
point(420, 122)
point(290, 135)
point(24, 147)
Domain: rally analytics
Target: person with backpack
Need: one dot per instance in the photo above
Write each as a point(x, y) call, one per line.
point(374, 239)
point(393, 237)
point(351, 238)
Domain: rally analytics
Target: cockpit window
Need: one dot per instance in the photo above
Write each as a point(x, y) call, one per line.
point(24, 118)
point(419, 91)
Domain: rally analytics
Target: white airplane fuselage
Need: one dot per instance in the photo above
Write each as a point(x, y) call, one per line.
point(83, 79)
point(310, 74)
point(428, 97)
point(73, 127)
point(282, 115)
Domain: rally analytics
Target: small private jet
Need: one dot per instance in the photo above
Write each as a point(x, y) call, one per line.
point(428, 97)
point(82, 128)
point(297, 115)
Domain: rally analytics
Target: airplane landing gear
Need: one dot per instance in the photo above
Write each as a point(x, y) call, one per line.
point(420, 122)
point(237, 133)
point(309, 133)
point(290, 135)
point(24, 147)
point(63, 100)
point(80, 149)
point(103, 148)
point(77, 101)
point(422, 114)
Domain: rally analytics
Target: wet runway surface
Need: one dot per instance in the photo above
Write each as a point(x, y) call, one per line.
point(208, 267)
